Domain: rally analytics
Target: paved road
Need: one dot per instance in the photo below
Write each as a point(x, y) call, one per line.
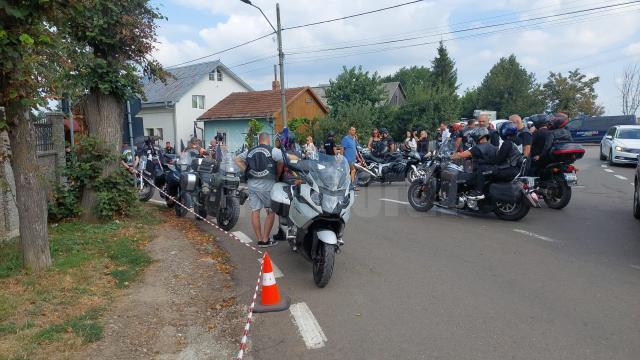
point(556, 285)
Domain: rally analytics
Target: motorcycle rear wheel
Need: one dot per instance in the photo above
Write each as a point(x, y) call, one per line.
point(323, 264)
point(422, 199)
point(561, 195)
point(512, 212)
point(185, 199)
point(227, 218)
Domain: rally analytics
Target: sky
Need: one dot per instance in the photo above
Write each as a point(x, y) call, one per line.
point(600, 42)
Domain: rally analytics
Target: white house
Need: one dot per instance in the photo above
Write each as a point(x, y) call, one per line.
point(170, 109)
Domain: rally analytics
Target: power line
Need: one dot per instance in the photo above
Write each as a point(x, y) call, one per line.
point(352, 16)
point(221, 51)
point(470, 29)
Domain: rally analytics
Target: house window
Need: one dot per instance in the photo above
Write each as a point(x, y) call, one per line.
point(159, 132)
point(149, 132)
point(308, 100)
point(197, 101)
point(212, 76)
point(219, 73)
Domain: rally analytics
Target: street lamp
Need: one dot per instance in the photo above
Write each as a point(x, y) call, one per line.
point(278, 31)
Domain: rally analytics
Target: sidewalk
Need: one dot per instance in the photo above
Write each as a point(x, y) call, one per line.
point(184, 307)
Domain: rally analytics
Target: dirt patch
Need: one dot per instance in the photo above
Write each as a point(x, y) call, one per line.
point(183, 307)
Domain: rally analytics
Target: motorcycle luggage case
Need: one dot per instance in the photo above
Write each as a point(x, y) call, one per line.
point(505, 192)
point(281, 199)
point(188, 181)
point(566, 152)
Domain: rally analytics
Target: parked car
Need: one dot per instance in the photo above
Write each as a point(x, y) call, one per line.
point(636, 192)
point(621, 144)
point(593, 128)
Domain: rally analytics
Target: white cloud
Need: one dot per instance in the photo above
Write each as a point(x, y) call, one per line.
point(632, 49)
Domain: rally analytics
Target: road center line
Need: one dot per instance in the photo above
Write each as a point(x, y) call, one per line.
point(308, 326)
point(604, 166)
point(395, 201)
point(621, 177)
point(529, 233)
point(608, 170)
point(276, 270)
point(242, 236)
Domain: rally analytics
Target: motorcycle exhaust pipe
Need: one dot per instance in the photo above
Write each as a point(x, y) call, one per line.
point(360, 167)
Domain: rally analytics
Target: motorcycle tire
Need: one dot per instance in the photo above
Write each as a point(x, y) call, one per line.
point(363, 179)
point(512, 212)
point(146, 193)
point(201, 211)
point(185, 199)
point(421, 199)
point(227, 218)
point(323, 264)
point(562, 192)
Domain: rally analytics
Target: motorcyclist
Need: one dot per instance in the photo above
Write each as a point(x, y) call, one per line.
point(540, 123)
point(483, 154)
point(509, 159)
point(556, 134)
point(388, 144)
point(494, 137)
point(330, 143)
point(464, 140)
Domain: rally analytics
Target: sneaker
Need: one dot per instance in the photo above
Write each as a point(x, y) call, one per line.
point(269, 243)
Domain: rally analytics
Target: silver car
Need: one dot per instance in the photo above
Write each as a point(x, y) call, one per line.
point(621, 144)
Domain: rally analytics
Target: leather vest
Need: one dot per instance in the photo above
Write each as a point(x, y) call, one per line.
point(514, 158)
point(488, 153)
point(260, 164)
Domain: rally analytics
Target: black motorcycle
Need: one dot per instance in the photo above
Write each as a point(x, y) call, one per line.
point(447, 185)
point(394, 167)
point(213, 189)
point(556, 175)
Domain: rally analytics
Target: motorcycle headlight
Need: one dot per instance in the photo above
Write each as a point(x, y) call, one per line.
point(316, 197)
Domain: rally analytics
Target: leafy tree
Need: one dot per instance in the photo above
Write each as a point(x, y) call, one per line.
point(254, 129)
point(304, 127)
point(509, 89)
point(359, 115)
point(573, 94)
point(413, 79)
point(469, 102)
point(29, 56)
point(113, 41)
point(354, 86)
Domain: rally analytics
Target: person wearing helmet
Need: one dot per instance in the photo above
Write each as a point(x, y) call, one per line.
point(388, 145)
point(464, 140)
point(330, 143)
point(540, 123)
point(509, 158)
point(557, 133)
point(483, 154)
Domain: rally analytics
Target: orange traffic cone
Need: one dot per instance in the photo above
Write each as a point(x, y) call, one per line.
point(270, 298)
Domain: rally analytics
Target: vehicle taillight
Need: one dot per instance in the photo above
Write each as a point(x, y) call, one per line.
point(555, 170)
point(570, 169)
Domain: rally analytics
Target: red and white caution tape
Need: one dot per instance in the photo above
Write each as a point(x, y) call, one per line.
point(245, 333)
point(231, 235)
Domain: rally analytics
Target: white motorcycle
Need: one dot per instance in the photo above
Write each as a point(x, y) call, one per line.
point(314, 209)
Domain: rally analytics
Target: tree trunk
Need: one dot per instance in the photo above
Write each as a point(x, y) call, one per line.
point(31, 197)
point(103, 114)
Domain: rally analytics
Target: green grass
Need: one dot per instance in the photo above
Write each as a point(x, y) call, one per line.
point(10, 260)
point(130, 261)
point(85, 326)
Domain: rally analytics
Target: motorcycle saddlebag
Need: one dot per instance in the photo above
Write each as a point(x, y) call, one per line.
point(505, 192)
point(188, 181)
point(281, 199)
point(566, 152)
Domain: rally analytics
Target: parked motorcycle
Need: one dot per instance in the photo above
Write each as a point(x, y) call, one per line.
point(313, 213)
point(216, 192)
point(554, 179)
point(187, 179)
point(393, 168)
point(447, 185)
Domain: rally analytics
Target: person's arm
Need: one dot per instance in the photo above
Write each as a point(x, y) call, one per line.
point(279, 169)
point(503, 153)
point(241, 161)
point(527, 140)
point(370, 142)
point(461, 155)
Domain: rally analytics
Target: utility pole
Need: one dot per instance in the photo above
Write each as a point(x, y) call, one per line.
point(278, 31)
point(283, 100)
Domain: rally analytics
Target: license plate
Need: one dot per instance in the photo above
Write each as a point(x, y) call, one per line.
point(572, 179)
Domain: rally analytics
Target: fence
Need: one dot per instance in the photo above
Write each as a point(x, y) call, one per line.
point(44, 134)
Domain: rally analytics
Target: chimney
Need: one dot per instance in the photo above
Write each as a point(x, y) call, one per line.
point(275, 84)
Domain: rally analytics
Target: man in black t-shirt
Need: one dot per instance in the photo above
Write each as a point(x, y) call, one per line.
point(524, 138)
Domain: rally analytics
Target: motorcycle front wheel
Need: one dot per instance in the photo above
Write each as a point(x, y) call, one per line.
point(227, 218)
point(512, 212)
point(412, 175)
point(323, 264)
point(559, 195)
point(363, 178)
point(422, 196)
point(147, 191)
point(185, 199)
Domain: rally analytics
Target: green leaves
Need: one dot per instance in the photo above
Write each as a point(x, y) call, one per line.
point(26, 39)
point(573, 94)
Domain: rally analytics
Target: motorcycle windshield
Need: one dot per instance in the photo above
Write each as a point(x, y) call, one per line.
point(228, 165)
point(330, 172)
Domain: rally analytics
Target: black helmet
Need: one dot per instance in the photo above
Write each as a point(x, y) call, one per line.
point(508, 130)
point(558, 121)
point(384, 131)
point(539, 120)
point(479, 133)
point(331, 133)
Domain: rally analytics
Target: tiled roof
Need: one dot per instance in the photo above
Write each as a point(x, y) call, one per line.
point(252, 104)
point(184, 78)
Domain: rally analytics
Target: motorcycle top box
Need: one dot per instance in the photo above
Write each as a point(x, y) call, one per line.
point(566, 152)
